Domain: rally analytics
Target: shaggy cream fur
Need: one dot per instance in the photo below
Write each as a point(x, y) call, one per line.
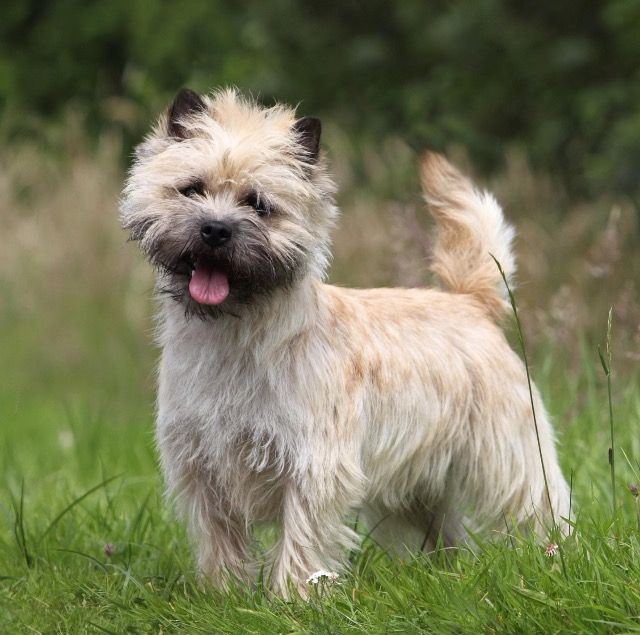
point(299, 403)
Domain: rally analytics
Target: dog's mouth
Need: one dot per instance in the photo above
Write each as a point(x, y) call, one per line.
point(209, 284)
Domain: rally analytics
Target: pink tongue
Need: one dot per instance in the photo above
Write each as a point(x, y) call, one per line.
point(208, 286)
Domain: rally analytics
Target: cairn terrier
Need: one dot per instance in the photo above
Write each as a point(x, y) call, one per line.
point(283, 399)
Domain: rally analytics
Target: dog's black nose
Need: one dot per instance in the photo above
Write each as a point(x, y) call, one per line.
point(215, 233)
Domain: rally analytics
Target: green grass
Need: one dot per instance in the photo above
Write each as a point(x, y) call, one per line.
point(78, 471)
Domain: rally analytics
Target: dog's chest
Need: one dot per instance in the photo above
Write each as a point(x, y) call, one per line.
point(220, 409)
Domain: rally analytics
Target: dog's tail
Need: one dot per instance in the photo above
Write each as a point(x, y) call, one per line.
point(470, 229)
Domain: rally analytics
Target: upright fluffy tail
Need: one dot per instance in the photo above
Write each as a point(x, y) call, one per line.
point(470, 229)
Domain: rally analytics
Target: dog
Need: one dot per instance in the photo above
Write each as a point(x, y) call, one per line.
point(285, 400)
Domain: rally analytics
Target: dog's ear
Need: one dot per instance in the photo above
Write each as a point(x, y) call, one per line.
point(185, 103)
point(308, 130)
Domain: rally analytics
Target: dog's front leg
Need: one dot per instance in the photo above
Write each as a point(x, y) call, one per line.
point(222, 549)
point(314, 534)
point(221, 537)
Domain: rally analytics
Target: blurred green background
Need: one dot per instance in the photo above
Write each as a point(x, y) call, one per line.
point(560, 80)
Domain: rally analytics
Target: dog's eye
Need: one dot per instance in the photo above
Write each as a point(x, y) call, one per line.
point(259, 204)
point(193, 189)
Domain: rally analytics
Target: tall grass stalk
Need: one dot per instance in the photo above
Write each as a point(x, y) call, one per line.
point(523, 348)
point(606, 366)
point(514, 307)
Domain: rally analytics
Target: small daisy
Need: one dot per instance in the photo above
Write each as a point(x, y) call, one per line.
point(322, 576)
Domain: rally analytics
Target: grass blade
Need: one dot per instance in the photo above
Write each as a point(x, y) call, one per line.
point(514, 308)
point(75, 502)
point(18, 527)
point(523, 348)
point(606, 366)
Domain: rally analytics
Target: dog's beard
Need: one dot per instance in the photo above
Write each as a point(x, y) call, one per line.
point(252, 267)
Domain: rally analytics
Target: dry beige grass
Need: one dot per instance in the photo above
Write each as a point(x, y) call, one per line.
point(60, 225)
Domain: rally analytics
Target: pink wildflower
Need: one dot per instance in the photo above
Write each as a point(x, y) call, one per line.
point(551, 550)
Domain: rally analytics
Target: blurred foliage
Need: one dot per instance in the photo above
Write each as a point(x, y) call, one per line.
point(560, 80)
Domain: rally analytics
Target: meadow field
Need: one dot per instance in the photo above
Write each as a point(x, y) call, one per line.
point(87, 541)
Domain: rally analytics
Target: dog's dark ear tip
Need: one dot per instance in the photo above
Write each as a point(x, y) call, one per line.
point(185, 103)
point(308, 131)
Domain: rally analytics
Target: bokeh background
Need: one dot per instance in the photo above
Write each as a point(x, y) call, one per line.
point(539, 101)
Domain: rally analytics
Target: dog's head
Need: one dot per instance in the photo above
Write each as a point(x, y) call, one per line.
point(230, 200)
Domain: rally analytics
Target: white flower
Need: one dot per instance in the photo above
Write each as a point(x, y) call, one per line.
point(322, 575)
point(551, 550)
